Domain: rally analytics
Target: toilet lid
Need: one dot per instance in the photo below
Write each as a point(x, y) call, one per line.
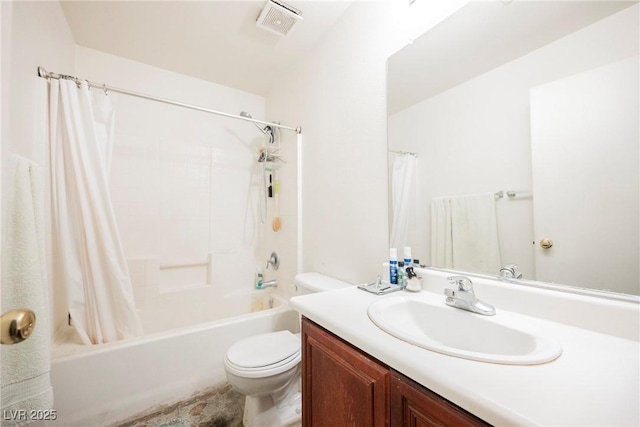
point(264, 349)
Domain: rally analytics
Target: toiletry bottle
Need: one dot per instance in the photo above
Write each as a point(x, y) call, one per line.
point(407, 256)
point(259, 277)
point(401, 274)
point(393, 266)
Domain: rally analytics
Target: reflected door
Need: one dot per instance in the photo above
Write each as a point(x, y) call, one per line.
point(584, 137)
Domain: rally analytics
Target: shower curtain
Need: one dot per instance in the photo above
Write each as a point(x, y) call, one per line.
point(87, 245)
point(402, 197)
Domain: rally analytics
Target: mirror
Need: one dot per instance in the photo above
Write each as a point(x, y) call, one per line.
point(523, 116)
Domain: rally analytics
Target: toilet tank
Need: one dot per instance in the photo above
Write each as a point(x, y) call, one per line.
point(307, 283)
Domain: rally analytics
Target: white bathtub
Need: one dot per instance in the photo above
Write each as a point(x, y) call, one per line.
point(103, 385)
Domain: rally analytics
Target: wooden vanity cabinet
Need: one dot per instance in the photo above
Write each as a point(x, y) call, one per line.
point(416, 406)
point(343, 386)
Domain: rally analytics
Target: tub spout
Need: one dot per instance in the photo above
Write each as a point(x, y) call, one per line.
point(269, 284)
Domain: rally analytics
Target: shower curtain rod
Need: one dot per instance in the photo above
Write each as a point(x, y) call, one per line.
point(49, 75)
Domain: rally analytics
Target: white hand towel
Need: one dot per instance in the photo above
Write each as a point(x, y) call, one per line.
point(474, 231)
point(441, 244)
point(26, 383)
point(464, 233)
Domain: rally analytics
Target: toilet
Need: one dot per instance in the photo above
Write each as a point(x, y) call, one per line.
point(266, 367)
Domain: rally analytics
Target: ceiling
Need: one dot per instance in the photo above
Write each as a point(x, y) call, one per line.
point(480, 37)
point(216, 41)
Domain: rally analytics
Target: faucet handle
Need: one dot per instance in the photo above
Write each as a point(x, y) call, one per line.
point(273, 261)
point(510, 272)
point(463, 283)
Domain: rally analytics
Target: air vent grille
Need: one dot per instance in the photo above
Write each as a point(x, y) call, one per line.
point(278, 18)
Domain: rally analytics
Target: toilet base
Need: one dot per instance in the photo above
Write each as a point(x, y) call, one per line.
point(261, 412)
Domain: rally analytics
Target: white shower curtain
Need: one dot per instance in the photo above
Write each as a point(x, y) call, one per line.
point(88, 250)
point(402, 198)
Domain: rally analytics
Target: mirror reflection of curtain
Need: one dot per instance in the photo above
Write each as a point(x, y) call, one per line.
point(89, 250)
point(465, 233)
point(403, 197)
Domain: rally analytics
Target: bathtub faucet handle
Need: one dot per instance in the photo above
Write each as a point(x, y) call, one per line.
point(274, 261)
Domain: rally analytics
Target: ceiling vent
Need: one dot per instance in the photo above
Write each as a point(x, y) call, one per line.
point(278, 17)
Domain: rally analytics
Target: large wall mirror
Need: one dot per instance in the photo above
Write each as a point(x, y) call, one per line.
point(514, 140)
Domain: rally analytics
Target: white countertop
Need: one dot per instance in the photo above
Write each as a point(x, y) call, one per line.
point(595, 381)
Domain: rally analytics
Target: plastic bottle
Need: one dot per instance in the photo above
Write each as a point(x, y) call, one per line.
point(407, 256)
point(393, 266)
point(401, 274)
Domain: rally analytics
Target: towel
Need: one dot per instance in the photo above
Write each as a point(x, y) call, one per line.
point(441, 244)
point(465, 233)
point(25, 366)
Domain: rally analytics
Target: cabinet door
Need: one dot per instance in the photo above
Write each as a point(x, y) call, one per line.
point(415, 406)
point(341, 386)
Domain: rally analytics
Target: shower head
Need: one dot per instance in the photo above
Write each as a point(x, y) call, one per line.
point(248, 116)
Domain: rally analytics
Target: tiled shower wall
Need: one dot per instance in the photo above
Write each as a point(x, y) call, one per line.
point(184, 183)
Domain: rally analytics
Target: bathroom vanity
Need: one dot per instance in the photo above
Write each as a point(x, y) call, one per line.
point(343, 385)
point(355, 373)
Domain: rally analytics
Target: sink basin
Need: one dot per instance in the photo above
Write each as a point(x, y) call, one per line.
point(448, 330)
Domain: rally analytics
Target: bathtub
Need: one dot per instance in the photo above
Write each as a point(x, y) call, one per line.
point(100, 385)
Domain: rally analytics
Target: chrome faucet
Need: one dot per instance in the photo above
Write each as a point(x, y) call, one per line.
point(465, 298)
point(260, 284)
point(269, 284)
point(510, 272)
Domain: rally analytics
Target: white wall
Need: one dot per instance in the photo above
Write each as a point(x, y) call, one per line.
point(476, 137)
point(184, 185)
point(39, 37)
point(338, 96)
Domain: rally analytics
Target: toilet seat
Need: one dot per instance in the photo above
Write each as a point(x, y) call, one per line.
point(264, 355)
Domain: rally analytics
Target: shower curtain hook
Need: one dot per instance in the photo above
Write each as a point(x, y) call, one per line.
point(104, 88)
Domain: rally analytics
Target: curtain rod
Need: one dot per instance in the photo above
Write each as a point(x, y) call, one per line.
point(47, 75)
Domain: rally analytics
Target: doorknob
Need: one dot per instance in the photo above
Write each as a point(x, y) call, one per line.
point(546, 243)
point(17, 325)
